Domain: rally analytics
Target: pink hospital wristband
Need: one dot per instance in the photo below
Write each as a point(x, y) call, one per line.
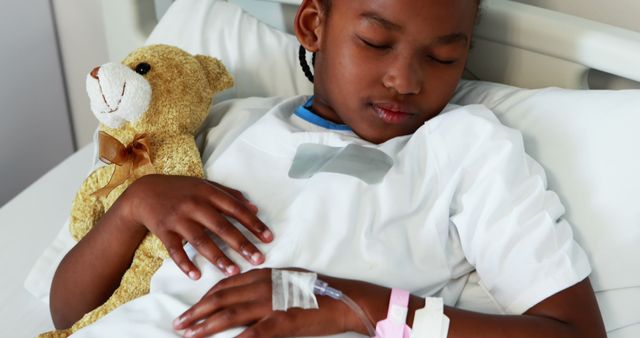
point(394, 326)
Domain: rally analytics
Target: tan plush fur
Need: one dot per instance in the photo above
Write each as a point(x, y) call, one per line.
point(182, 87)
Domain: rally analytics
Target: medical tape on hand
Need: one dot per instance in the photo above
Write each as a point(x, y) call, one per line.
point(292, 289)
point(430, 321)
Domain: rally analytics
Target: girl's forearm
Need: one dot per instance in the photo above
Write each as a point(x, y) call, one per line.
point(571, 313)
point(478, 325)
point(472, 324)
point(92, 270)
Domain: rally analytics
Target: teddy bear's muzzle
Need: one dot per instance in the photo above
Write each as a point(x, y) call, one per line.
point(94, 72)
point(118, 94)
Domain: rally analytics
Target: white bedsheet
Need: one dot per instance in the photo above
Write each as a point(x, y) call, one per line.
point(29, 223)
point(24, 315)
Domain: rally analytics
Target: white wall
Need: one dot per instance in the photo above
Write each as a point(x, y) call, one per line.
point(35, 132)
point(83, 46)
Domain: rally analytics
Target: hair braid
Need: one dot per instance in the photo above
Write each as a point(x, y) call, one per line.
point(302, 57)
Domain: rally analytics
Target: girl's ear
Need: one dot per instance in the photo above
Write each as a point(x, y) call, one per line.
point(308, 24)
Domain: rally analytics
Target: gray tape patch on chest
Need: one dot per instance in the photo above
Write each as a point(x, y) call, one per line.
point(368, 164)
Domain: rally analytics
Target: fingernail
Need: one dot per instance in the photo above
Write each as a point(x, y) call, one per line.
point(267, 234)
point(231, 270)
point(220, 264)
point(178, 321)
point(256, 258)
point(193, 275)
point(252, 206)
point(246, 253)
point(189, 333)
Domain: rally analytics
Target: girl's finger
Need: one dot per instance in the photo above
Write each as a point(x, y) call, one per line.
point(247, 278)
point(196, 235)
point(223, 299)
point(233, 208)
point(236, 193)
point(220, 226)
point(267, 327)
point(173, 244)
point(230, 317)
point(294, 323)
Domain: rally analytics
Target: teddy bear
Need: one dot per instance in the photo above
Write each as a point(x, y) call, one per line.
point(149, 107)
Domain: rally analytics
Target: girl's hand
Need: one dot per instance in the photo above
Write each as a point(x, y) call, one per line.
point(245, 300)
point(175, 208)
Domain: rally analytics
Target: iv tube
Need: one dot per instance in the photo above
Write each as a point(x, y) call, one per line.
point(322, 288)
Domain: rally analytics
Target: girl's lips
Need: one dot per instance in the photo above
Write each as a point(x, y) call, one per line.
point(392, 113)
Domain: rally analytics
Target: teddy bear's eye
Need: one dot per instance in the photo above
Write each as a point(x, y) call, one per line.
point(143, 68)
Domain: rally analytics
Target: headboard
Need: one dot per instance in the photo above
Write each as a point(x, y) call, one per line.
point(515, 43)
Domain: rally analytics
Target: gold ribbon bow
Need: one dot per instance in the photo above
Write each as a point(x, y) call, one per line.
point(132, 161)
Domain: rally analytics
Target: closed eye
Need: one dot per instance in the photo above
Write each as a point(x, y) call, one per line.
point(444, 62)
point(374, 45)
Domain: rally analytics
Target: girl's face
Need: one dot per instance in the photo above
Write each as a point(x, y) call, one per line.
point(384, 67)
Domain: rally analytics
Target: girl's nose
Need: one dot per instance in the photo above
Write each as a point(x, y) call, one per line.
point(404, 77)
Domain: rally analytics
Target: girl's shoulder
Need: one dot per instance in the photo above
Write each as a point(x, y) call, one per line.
point(249, 108)
point(471, 118)
point(460, 132)
point(473, 123)
point(230, 118)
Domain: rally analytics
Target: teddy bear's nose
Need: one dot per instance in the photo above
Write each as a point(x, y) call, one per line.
point(94, 73)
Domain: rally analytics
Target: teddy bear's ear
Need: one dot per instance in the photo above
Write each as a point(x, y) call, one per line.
point(217, 74)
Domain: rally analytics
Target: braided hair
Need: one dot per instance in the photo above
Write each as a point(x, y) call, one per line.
point(302, 57)
point(302, 53)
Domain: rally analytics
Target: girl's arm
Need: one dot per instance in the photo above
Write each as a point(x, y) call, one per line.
point(92, 270)
point(246, 300)
point(174, 208)
point(572, 312)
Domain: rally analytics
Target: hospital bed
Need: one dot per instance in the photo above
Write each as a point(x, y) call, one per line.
point(515, 45)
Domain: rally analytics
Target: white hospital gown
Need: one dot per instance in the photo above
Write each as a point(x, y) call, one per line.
point(462, 195)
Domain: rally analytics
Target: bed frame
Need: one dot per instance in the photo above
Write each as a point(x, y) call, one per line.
point(515, 43)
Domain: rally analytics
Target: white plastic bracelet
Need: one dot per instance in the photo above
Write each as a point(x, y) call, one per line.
point(430, 321)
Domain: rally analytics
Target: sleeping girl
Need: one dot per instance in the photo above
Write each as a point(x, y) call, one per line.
point(376, 183)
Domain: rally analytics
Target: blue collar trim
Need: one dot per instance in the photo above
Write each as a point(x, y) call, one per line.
point(306, 114)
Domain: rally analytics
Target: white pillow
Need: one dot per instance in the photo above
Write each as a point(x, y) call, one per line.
point(262, 60)
point(588, 143)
